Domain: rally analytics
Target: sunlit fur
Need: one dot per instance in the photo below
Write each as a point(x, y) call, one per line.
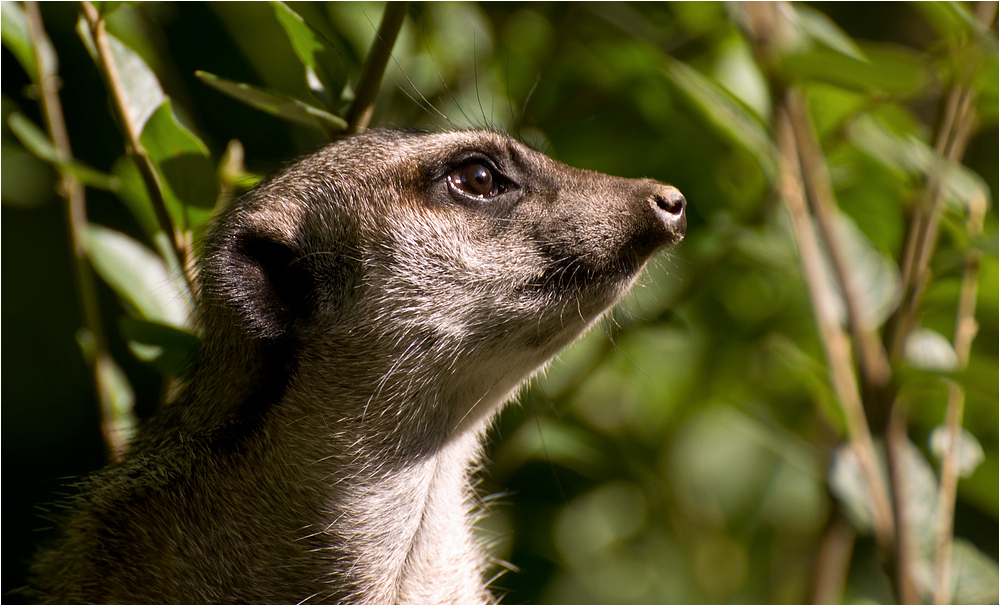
point(362, 323)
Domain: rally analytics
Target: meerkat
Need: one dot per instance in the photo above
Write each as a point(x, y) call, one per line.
point(364, 315)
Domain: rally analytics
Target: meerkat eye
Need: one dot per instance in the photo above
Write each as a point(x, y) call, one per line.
point(476, 179)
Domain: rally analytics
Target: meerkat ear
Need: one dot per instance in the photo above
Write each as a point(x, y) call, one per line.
point(262, 278)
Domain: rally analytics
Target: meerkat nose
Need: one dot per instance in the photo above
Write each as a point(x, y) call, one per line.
point(668, 205)
point(669, 201)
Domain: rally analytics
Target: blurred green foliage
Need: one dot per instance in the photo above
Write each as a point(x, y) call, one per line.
point(682, 451)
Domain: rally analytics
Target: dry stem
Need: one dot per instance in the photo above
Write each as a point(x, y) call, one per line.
point(833, 561)
point(803, 170)
point(956, 126)
point(896, 447)
point(835, 342)
point(965, 332)
point(76, 214)
point(151, 179)
point(361, 110)
point(873, 361)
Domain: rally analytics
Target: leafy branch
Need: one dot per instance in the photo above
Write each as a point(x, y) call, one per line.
point(952, 140)
point(132, 125)
point(313, 51)
point(955, 127)
point(168, 184)
point(117, 419)
point(835, 341)
point(803, 177)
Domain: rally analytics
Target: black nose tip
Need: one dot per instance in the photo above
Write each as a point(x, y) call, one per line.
point(670, 201)
point(669, 206)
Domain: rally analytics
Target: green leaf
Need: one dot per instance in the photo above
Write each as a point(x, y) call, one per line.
point(169, 349)
point(915, 158)
point(114, 383)
point(162, 244)
point(263, 43)
point(187, 174)
point(93, 178)
point(39, 144)
point(106, 7)
point(87, 343)
point(132, 191)
point(16, 37)
point(726, 114)
point(889, 69)
point(952, 20)
point(36, 181)
point(848, 484)
point(276, 104)
point(813, 374)
point(312, 51)
point(138, 276)
point(32, 137)
point(874, 274)
point(820, 28)
point(926, 349)
point(973, 575)
point(83, 30)
point(921, 494)
point(970, 451)
point(232, 173)
point(727, 461)
point(740, 74)
point(140, 86)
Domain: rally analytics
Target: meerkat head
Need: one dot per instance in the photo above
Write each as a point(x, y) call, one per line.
point(462, 260)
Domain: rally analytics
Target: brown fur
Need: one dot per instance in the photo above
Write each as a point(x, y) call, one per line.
point(363, 319)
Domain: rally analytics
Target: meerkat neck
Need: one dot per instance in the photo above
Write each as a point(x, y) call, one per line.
point(398, 519)
point(410, 530)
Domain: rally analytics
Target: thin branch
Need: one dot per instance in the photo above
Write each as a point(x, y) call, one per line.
point(797, 143)
point(876, 372)
point(922, 236)
point(133, 145)
point(113, 422)
point(833, 561)
point(947, 493)
point(873, 361)
point(896, 452)
point(766, 32)
point(956, 126)
point(954, 129)
point(835, 342)
point(965, 322)
point(361, 110)
point(965, 332)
